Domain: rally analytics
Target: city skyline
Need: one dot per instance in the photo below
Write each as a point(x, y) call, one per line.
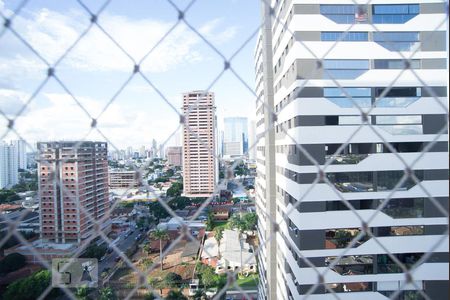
point(138, 112)
point(225, 149)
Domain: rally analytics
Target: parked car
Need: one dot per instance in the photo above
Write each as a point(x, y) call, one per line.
point(117, 258)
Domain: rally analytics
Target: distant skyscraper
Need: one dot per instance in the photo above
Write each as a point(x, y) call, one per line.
point(252, 139)
point(129, 152)
point(154, 148)
point(397, 71)
point(20, 146)
point(9, 175)
point(71, 178)
point(199, 144)
point(142, 152)
point(174, 156)
point(235, 136)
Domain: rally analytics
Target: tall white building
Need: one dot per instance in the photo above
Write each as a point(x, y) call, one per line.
point(199, 144)
point(20, 147)
point(252, 139)
point(319, 103)
point(9, 175)
point(235, 136)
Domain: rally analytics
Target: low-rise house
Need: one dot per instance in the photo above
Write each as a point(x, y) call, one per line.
point(234, 251)
point(210, 252)
point(220, 213)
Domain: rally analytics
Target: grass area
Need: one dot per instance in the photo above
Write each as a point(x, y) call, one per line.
point(220, 224)
point(248, 282)
point(122, 272)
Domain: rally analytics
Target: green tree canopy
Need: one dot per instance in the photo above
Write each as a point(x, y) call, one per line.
point(30, 288)
point(172, 279)
point(107, 293)
point(12, 262)
point(179, 202)
point(175, 295)
point(94, 251)
point(175, 189)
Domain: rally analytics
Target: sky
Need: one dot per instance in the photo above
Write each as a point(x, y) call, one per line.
point(95, 69)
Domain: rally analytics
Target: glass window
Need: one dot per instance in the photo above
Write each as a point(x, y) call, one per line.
point(397, 41)
point(415, 119)
point(394, 102)
point(342, 14)
point(344, 36)
point(345, 69)
point(341, 97)
point(402, 129)
point(350, 120)
point(394, 13)
point(399, 92)
point(337, 9)
point(396, 64)
point(352, 64)
point(350, 91)
point(396, 36)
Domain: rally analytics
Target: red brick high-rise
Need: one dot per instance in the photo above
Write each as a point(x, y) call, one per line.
point(73, 182)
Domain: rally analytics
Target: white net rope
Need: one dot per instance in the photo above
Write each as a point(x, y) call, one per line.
point(50, 74)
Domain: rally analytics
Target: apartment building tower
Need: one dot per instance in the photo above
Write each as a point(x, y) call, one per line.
point(174, 156)
point(73, 189)
point(362, 88)
point(199, 144)
point(9, 165)
point(120, 179)
point(235, 136)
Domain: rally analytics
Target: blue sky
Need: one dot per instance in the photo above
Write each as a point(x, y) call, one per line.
point(95, 69)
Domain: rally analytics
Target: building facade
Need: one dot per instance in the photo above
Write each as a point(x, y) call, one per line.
point(235, 136)
point(119, 179)
point(9, 165)
point(174, 156)
point(199, 144)
point(20, 147)
point(73, 189)
point(347, 100)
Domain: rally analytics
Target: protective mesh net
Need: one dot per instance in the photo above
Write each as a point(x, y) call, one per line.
point(141, 284)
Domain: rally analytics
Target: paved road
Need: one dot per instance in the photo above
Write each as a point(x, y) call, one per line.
point(124, 243)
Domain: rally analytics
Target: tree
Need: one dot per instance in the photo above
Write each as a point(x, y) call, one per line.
point(172, 279)
point(160, 235)
point(179, 202)
point(107, 293)
point(218, 233)
point(200, 295)
point(147, 248)
point(210, 221)
point(12, 262)
point(30, 288)
point(170, 173)
point(150, 296)
point(146, 263)
point(157, 210)
point(175, 295)
point(208, 277)
point(140, 222)
point(246, 222)
point(249, 221)
point(94, 251)
point(175, 189)
point(7, 196)
point(235, 222)
point(82, 293)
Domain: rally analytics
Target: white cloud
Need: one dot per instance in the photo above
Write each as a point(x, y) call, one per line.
point(11, 101)
point(217, 36)
point(51, 33)
point(55, 116)
point(61, 118)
